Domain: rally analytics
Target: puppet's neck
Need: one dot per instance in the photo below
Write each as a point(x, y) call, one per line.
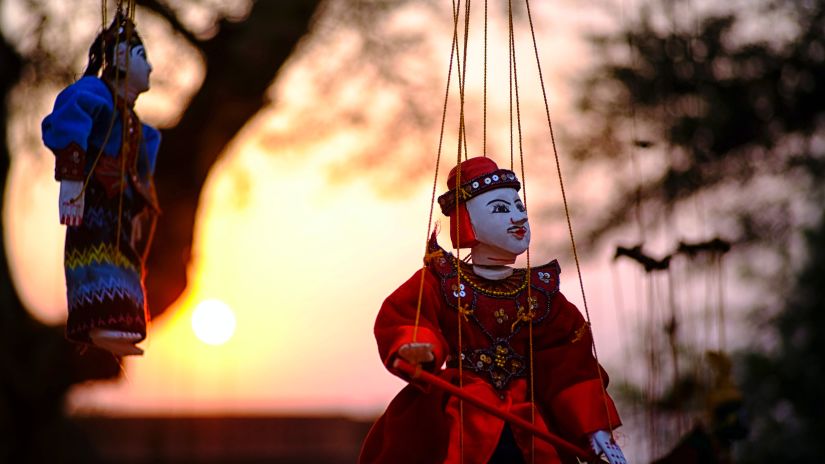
point(492, 272)
point(491, 262)
point(128, 94)
point(125, 94)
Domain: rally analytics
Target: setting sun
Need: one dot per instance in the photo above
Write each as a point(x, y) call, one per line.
point(213, 322)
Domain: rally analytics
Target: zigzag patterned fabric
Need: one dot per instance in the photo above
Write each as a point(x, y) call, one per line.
point(99, 217)
point(100, 254)
point(104, 282)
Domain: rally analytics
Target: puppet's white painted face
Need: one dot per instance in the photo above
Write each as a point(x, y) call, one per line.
point(500, 220)
point(138, 64)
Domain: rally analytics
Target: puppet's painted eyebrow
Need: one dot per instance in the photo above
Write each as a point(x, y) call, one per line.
point(498, 199)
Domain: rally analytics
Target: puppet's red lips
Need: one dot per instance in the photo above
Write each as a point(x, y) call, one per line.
point(518, 231)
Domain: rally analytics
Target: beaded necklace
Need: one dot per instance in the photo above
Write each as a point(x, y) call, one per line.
point(478, 287)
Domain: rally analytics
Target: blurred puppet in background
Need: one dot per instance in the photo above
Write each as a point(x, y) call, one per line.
point(488, 322)
point(104, 160)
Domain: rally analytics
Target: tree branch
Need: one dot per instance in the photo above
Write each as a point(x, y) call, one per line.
point(164, 11)
point(242, 61)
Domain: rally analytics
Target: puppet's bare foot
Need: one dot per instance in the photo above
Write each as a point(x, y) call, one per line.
point(117, 342)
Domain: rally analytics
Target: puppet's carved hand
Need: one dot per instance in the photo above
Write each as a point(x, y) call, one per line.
point(71, 202)
point(602, 443)
point(417, 353)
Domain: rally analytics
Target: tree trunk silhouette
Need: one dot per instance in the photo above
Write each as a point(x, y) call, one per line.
point(241, 62)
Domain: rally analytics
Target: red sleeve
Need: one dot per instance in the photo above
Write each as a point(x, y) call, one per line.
point(69, 162)
point(567, 376)
point(395, 324)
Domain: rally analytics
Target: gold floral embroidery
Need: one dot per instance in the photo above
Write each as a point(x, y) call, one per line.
point(579, 334)
point(429, 257)
point(464, 310)
point(525, 315)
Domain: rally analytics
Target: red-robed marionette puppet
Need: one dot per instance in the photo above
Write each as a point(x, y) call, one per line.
point(422, 424)
point(105, 161)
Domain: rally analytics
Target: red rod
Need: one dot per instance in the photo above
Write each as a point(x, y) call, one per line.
point(417, 373)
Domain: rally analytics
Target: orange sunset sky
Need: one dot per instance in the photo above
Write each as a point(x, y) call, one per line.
point(304, 260)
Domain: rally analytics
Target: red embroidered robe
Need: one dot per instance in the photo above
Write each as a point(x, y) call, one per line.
point(421, 425)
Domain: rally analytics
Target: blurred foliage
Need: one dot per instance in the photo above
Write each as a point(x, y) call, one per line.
point(725, 102)
point(784, 385)
point(710, 107)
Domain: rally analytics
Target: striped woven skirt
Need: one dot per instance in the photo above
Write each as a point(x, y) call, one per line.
point(104, 275)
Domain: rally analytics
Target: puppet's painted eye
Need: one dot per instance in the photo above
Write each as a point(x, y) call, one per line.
point(500, 208)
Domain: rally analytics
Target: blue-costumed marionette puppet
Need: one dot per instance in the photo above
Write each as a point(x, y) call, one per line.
point(105, 159)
